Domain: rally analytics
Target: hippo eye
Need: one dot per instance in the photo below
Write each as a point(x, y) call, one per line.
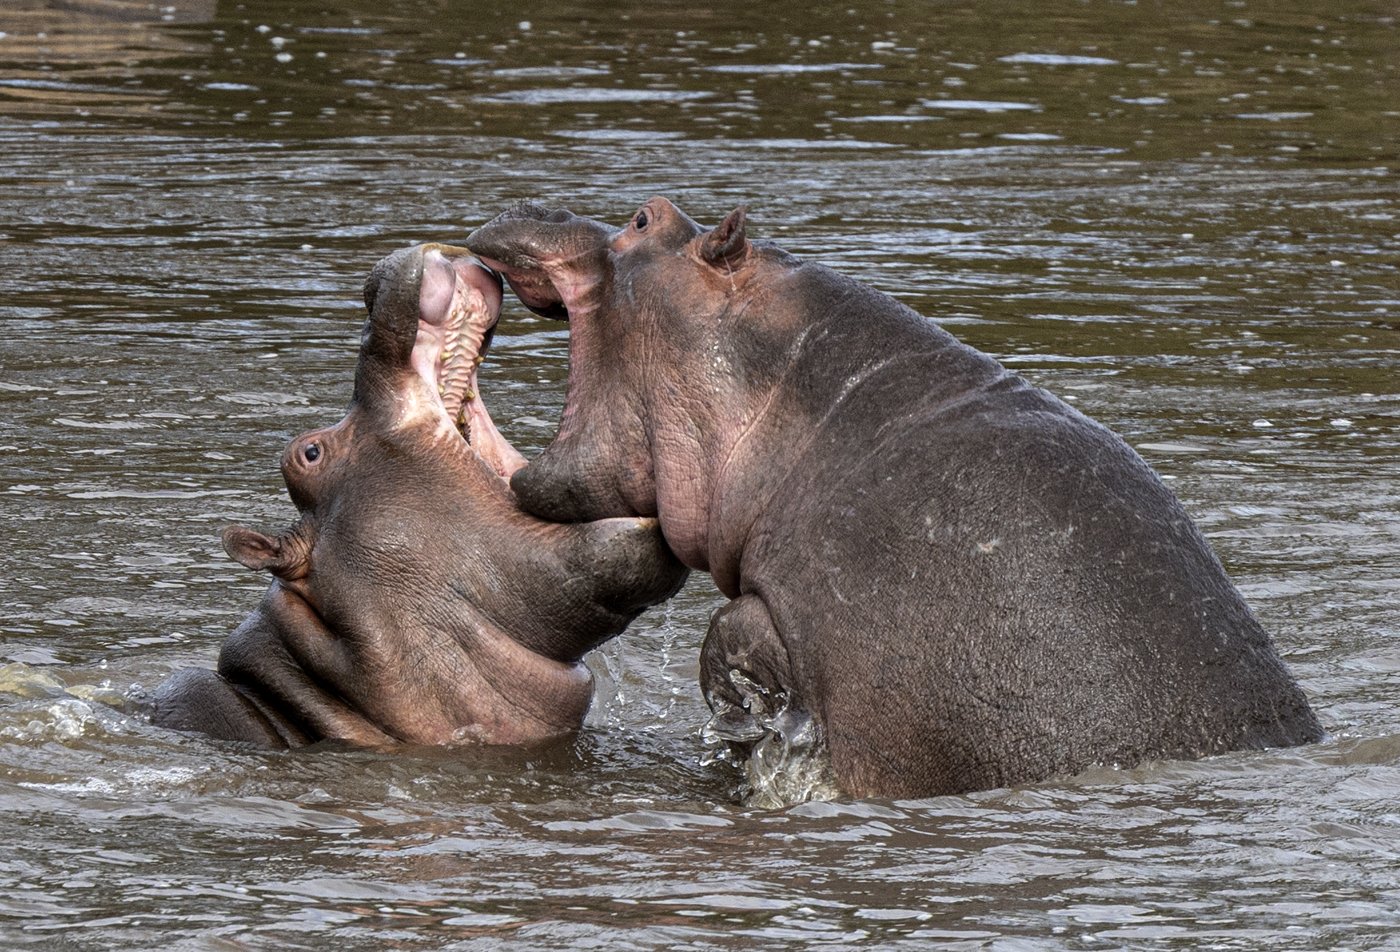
point(641, 220)
point(312, 452)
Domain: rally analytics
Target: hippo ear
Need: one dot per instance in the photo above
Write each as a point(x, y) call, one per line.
point(258, 552)
point(727, 246)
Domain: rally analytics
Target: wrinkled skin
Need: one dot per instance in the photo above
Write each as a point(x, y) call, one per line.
point(965, 582)
point(413, 601)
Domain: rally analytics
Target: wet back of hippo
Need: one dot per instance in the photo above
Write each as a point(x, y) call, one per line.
point(963, 581)
point(975, 584)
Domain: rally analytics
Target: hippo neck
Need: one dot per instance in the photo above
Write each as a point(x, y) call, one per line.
point(522, 697)
point(493, 690)
point(858, 352)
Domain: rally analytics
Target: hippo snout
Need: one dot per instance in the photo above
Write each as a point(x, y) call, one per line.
point(544, 253)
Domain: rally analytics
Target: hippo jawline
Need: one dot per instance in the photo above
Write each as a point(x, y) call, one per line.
point(459, 302)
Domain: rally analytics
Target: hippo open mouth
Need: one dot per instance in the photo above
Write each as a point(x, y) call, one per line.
point(459, 302)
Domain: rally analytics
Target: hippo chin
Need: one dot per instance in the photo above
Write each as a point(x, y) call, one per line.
point(960, 580)
point(413, 601)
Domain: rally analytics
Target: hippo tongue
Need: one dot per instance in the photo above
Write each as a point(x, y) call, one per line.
point(459, 302)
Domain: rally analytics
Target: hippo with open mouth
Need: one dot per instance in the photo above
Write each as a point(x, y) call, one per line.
point(413, 601)
point(959, 581)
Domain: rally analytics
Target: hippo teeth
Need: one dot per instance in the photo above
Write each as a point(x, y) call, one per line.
point(457, 365)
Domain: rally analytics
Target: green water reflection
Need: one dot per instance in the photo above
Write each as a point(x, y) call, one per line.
point(1287, 80)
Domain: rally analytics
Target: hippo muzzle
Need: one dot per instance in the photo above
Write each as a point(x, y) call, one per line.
point(536, 248)
point(434, 310)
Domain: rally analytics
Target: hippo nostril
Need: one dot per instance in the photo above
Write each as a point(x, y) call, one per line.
point(534, 211)
point(524, 210)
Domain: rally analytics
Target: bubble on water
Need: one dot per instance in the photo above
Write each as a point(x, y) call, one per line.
point(147, 781)
point(150, 778)
point(67, 718)
point(100, 693)
point(88, 785)
point(35, 705)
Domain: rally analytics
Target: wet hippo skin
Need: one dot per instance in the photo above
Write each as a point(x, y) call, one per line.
point(413, 601)
point(964, 582)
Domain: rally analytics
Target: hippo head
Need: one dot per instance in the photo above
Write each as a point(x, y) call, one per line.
point(412, 598)
point(416, 427)
point(562, 265)
point(649, 305)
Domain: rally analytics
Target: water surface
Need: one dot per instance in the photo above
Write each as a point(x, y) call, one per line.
point(1185, 221)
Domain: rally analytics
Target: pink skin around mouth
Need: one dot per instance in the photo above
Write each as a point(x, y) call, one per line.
point(459, 302)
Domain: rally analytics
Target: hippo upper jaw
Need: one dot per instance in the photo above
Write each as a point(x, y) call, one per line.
point(550, 256)
point(459, 303)
point(433, 311)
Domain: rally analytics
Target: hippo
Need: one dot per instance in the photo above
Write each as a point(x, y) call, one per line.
point(413, 601)
point(955, 579)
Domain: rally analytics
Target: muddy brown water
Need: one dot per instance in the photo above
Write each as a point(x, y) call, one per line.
point(1183, 217)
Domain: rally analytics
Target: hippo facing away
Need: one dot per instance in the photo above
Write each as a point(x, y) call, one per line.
point(413, 601)
point(962, 581)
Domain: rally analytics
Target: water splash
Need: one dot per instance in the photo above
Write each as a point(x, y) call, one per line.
point(65, 719)
point(36, 705)
point(780, 750)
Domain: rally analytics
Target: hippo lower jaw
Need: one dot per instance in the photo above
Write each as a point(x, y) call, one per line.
point(459, 304)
